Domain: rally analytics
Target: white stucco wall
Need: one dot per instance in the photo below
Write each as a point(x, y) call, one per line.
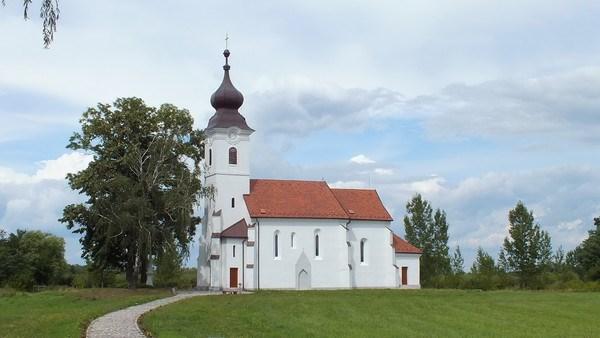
point(412, 262)
point(329, 270)
point(230, 181)
point(229, 261)
point(378, 269)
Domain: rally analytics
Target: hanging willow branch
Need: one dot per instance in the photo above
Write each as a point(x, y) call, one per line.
point(49, 13)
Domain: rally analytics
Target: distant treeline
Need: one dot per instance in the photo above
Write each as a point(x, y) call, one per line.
point(33, 260)
point(526, 259)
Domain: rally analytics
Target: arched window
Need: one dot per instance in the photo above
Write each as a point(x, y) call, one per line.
point(276, 244)
point(232, 155)
point(317, 248)
point(293, 240)
point(209, 156)
point(233, 202)
point(362, 250)
point(234, 251)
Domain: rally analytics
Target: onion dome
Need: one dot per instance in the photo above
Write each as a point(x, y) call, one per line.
point(227, 100)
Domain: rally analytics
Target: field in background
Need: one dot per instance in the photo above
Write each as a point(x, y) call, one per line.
point(381, 313)
point(63, 313)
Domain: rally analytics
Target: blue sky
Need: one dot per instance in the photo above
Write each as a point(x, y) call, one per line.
point(475, 105)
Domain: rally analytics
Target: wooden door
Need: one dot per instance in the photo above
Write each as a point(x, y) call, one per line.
point(233, 277)
point(404, 275)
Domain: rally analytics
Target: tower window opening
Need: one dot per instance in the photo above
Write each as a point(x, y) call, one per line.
point(233, 202)
point(232, 155)
point(209, 156)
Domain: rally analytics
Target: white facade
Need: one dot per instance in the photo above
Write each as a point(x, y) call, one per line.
point(408, 264)
point(229, 182)
point(240, 248)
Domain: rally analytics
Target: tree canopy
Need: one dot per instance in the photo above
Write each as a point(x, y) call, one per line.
point(31, 258)
point(528, 250)
point(143, 184)
point(429, 232)
point(586, 257)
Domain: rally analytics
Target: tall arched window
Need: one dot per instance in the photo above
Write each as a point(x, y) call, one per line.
point(209, 156)
point(232, 155)
point(362, 250)
point(234, 251)
point(317, 248)
point(276, 244)
point(293, 240)
point(233, 202)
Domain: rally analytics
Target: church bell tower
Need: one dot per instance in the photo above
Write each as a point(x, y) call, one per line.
point(227, 159)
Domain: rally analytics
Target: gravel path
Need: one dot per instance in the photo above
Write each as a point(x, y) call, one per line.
point(123, 323)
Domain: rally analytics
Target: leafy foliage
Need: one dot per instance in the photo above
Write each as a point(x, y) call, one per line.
point(429, 232)
point(457, 262)
point(586, 257)
point(31, 258)
point(142, 185)
point(528, 250)
point(49, 13)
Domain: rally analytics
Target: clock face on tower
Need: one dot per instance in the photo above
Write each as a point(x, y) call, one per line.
point(232, 134)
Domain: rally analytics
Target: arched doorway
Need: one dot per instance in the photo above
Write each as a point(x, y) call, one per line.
point(303, 280)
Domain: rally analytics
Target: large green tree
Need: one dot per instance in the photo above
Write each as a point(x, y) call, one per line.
point(429, 232)
point(142, 185)
point(528, 249)
point(586, 257)
point(31, 258)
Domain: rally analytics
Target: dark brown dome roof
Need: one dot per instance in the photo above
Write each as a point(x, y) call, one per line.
point(227, 100)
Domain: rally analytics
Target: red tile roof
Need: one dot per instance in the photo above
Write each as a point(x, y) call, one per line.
point(362, 204)
point(402, 246)
point(238, 230)
point(312, 199)
point(287, 198)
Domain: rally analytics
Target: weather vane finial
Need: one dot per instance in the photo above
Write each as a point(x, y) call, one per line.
point(226, 40)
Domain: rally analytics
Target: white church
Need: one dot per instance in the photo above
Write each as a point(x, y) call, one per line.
point(289, 234)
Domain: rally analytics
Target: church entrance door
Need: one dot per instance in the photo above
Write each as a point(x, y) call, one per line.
point(233, 277)
point(303, 280)
point(404, 275)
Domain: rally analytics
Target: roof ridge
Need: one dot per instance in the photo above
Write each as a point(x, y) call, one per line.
point(362, 189)
point(287, 180)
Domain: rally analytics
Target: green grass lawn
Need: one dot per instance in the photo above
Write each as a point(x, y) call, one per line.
point(63, 313)
point(381, 313)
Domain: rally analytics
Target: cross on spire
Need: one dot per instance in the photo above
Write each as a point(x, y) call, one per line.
point(226, 40)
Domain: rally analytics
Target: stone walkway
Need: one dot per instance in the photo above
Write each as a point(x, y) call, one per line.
point(123, 323)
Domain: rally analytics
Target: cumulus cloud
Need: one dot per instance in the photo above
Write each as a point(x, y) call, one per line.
point(562, 199)
point(561, 105)
point(361, 159)
point(558, 106)
point(35, 201)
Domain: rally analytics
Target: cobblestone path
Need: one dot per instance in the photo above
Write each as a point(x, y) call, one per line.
point(123, 323)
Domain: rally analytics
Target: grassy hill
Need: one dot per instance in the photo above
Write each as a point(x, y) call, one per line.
point(63, 313)
point(380, 313)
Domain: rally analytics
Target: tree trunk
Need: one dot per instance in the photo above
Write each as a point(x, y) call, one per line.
point(130, 268)
point(143, 270)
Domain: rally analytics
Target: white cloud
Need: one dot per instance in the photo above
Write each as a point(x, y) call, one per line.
point(59, 168)
point(35, 202)
point(384, 171)
point(570, 225)
point(361, 159)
